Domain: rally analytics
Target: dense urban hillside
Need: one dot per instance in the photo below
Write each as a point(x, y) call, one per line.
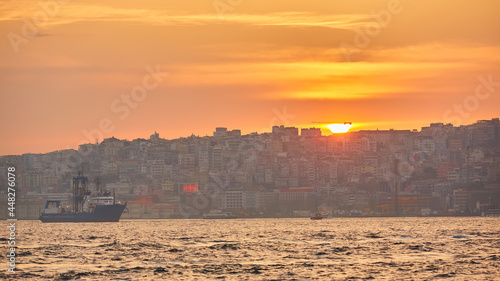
point(439, 170)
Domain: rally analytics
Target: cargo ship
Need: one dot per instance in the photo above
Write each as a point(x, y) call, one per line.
point(86, 207)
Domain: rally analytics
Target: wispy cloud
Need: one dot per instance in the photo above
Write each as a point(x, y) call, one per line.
point(72, 13)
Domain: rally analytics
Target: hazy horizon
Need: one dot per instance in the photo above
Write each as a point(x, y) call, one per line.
point(325, 132)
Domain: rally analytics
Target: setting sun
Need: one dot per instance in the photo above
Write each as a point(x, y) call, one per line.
point(340, 128)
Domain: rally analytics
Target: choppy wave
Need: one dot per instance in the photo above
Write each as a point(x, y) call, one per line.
point(261, 249)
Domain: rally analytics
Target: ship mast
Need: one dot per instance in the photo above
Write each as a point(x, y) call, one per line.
point(79, 190)
point(98, 187)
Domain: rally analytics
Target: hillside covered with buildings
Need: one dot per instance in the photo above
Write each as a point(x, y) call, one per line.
point(439, 170)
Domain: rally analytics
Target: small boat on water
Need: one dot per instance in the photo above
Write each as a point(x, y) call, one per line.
point(86, 207)
point(317, 216)
point(219, 215)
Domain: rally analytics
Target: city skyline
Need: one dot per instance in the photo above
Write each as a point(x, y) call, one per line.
point(301, 131)
point(70, 70)
point(440, 170)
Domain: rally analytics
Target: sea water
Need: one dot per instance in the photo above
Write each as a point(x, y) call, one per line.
point(259, 249)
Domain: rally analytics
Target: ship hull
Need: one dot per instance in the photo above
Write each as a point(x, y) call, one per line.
point(102, 213)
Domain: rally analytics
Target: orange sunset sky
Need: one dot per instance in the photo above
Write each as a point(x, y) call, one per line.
point(73, 67)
